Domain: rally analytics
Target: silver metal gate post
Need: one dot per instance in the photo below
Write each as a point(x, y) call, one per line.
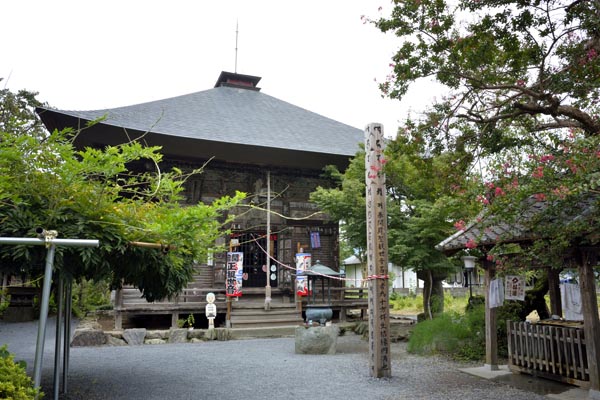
point(48, 239)
point(39, 346)
point(60, 302)
point(67, 341)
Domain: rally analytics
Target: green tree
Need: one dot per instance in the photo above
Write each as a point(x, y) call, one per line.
point(529, 63)
point(421, 207)
point(97, 194)
point(523, 83)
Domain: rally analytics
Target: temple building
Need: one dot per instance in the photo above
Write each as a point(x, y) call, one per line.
point(250, 142)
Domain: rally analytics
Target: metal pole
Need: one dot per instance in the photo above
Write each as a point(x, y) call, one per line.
point(47, 238)
point(59, 331)
point(268, 264)
point(39, 349)
point(56, 242)
point(67, 343)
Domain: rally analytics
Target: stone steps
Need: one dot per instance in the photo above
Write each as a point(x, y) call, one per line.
point(254, 315)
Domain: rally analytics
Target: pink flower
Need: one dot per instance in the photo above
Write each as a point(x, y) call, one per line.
point(538, 172)
point(499, 192)
point(459, 225)
point(547, 158)
point(471, 244)
point(483, 200)
point(561, 192)
point(490, 257)
point(540, 196)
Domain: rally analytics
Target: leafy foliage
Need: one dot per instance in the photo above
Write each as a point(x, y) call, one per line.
point(98, 194)
point(14, 382)
point(522, 98)
point(531, 63)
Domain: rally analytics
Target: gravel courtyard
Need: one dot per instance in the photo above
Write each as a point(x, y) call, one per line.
point(251, 369)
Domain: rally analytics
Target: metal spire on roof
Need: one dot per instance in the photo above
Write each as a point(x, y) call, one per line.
point(236, 45)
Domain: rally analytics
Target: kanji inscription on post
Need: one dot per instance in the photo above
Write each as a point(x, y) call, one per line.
point(377, 253)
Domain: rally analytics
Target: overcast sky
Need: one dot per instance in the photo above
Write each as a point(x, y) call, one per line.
point(90, 54)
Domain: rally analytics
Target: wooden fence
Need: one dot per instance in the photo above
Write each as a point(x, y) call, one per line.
point(549, 350)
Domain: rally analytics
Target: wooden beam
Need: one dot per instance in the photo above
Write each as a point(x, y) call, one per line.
point(554, 291)
point(491, 326)
point(591, 322)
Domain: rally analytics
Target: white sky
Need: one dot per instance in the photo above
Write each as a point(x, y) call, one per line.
point(93, 54)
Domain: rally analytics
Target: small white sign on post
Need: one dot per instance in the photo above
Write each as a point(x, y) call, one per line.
point(211, 310)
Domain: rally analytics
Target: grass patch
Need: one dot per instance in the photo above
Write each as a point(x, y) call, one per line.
point(414, 304)
point(461, 336)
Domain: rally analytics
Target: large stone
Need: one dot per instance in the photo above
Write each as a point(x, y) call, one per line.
point(222, 334)
point(89, 337)
point(114, 341)
point(134, 337)
point(197, 334)
point(316, 339)
point(178, 335)
point(158, 334)
point(155, 341)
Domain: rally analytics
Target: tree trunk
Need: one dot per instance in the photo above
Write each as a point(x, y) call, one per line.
point(433, 292)
point(534, 299)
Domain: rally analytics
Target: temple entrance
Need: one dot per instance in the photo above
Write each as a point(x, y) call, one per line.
point(254, 245)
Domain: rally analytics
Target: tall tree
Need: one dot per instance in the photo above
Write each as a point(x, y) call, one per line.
point(523, 83)
point(421, 208)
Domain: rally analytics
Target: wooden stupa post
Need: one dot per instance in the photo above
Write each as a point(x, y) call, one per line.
point(377, 254)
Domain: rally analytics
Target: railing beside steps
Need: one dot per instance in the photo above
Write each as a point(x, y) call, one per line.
point(549, 349)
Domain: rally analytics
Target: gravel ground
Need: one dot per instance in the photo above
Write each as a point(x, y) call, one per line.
point(251, 369)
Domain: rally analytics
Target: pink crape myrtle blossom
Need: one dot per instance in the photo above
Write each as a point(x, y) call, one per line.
point(538, 173)
point(460, 225)
point(540, 196)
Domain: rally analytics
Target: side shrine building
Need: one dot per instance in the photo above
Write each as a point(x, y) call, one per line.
point(251, 142)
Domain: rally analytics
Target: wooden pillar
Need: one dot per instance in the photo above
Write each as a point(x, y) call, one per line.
point(554, 291)
point(118, 309)
point(174, 319)
point(491, 330)
point(591, 322)
point(380, 363)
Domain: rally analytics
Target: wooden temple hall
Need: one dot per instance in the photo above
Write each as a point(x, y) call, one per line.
point(254, 143)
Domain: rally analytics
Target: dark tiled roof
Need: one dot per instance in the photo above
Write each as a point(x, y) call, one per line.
point(484, 231)
point(234, 115)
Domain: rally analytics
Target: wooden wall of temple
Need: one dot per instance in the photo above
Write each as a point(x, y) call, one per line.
point(293, 217)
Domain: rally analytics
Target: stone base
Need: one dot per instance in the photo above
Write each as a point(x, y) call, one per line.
point(316, 339)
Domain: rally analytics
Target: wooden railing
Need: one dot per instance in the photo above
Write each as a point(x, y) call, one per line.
point(549, 350)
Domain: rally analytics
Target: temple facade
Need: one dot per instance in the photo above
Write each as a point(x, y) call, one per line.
point(247, 141)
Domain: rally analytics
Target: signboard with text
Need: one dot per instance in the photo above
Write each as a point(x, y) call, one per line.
point(302, 264)
point(235, 272)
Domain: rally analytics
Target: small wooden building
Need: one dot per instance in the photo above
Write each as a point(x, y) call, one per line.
point(561, 350)
point(253, 143)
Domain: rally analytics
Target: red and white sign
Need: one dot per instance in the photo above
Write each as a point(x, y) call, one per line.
point(302, 264)
point(235, 273)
